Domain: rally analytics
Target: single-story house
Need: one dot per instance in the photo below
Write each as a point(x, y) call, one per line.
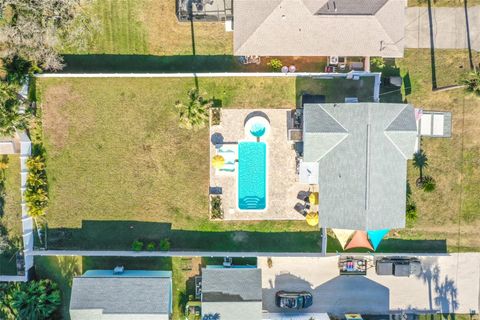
point(361, 150)
point(367, 28)
point(132, 294)
point(232, 293)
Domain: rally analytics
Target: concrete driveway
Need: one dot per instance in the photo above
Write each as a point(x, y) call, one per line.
point(449, 28)
point(448, 284)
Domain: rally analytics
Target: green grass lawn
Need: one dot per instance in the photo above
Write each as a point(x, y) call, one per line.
point(121, 169)
point(11, 214)
point(452, 211)
point(150, 27)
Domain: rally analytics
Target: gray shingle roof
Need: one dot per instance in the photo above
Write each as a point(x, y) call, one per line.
point(362, 177)
point(305, 28)
point(120, 295)
point(232, 293)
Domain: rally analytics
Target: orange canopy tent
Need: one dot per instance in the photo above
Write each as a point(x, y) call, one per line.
point(359, 240)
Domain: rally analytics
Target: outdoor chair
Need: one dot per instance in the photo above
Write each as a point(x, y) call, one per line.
point(303, 195)
point(300, 208)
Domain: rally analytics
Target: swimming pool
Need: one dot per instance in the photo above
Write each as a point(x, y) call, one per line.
point(252, 176)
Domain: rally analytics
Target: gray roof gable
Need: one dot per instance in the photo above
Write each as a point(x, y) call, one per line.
point(231, 284)
point(362, 179)
point(122, 295)
point(233, 293)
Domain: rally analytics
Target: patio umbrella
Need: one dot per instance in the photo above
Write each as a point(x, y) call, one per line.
point(312, 218)
point(313, 198)
point(343, 235)
point(376, 236)
point(359, 240)
point(218, 161)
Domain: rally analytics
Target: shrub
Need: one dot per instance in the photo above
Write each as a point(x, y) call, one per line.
point(377, 63)
point(216, 204)
point(151, 246)
point(137, 245)
point(3, 167)
point(411, 213)
point(164, 244)
point(275, 64)
point(216, 113)
point(472, 82)
point(429, 184)
point(36, 193)
point(10, 117)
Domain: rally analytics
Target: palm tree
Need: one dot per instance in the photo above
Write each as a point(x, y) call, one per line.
point(194, 115)
point(472, 81)
point(30, 300)
point(10, 118)
point(420, 161)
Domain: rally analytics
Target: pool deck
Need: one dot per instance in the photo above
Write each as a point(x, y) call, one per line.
point(282, 180)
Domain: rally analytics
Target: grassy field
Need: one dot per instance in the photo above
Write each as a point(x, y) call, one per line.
point(150, 27)
point(452, 211)
point(119, 165)
point(11, 218)
point(63, 269)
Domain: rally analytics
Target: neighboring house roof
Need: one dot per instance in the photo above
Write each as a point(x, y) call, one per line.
point(319, 27)
point(362, 151)
point(233, 293)
point(142, 295)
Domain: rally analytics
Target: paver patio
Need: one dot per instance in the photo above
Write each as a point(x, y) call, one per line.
point(282, 180)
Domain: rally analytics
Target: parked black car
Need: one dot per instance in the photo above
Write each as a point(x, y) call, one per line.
point(293, 300)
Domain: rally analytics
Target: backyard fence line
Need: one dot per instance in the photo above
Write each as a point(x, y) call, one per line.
point(220, 254)
point(208, 75)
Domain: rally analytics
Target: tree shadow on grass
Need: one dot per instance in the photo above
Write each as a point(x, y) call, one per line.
point(119, 235)
point(113, 63)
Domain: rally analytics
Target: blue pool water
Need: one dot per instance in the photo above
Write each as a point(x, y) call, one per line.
point(252, 175)
point(257, 130)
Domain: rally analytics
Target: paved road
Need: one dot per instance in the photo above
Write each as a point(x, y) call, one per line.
point(447, 284)
point(449, 28)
